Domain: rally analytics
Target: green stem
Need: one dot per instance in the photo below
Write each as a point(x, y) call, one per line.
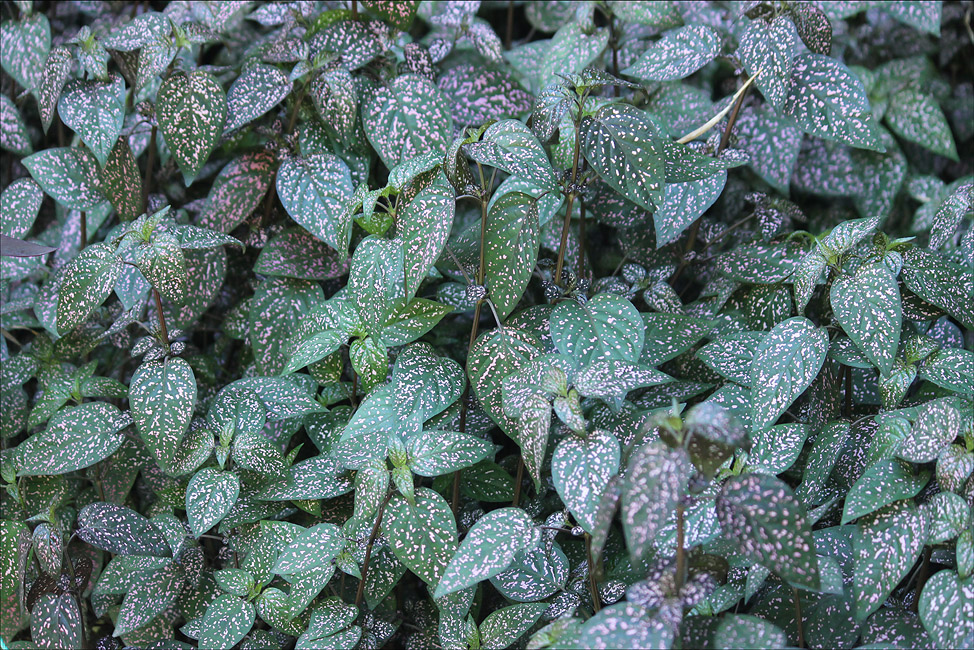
point(798, 617)
point(368, 551)
point(163, 330)
point(517, 482)
point(593, 587)
point(563, 244)
point(848, 392)
point(681, 558)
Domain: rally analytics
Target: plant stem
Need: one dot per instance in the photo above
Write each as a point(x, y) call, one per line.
point(921, 579)
point(297, 104)
point(517, 482)
point(368, 551)
point(83, 222)
point(581, 239)
point(571, 200)
point(510, 25)
point(848, 392)
point(681, 559)
point(354, 10)
point(353, 399)
point(614, 44)
point(146, 184)
point(593, 587)
point(798, 617)
point(163, 330)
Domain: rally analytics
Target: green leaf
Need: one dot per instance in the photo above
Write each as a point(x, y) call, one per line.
point(948, 515)
point(680, 53)
point(606, 327)
point(319, 477)
point(282, 397)
point(570, 51)
point(477, 95)
point(15, 544)
point(510, 146)
point(940, 282)
point(867, 305)
point(95, 110)
point(772, 143)
point(375, 281)
point(13, 132)
point(683, 203)
point(315, 547)
point(731, 355)
point(296, 254)
point(881, 484)
point(191, 109)
point(26, 46)
point(424, 226)
point(827, 100)
point(670, 335)
point(162, 263)
point(785, 364)
point(488, 549)
point(655, 483)
point(210, 495)
point(148, 598)
point(55, 622)
point(612, 378)
point(327, 628)
point(422, 536)
point(776, 449)
point(761, 515)
point(580, 470)
point(494, 356)
point(512, 225)
point(75, 438)
point(412, 321)
point(68, 175)
point(86, 283)
point(432, 453)
point(118, 529)
point(714, 434)
point(237, 190)
point(917, 117)
point(19, 204)
point(620, 144)
point(228, 619)
point(122, 182)
point(769, 48)
point(315, 191)
point(56, 71)
point(162, 398)
point(950, 368)
point(138, 32)
point(950, 213)
point(370, 359)
point(503, 626)
point(407, 117)
point(276, 312)
point(761, 263)
point(258, 89)
point(624, 625)
point(936, 425)
point(886, 545)
point(942, 594)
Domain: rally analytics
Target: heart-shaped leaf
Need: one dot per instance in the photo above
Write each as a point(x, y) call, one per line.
point(191, 109)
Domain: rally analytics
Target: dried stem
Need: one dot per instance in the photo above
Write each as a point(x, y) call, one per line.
point(83, 222)
point(681, 558)
point(510, 25)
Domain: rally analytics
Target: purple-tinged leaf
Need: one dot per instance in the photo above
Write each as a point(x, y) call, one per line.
point(122, 182)
point(680, 53)
point(237, 190)
point(772, 144)
point(191, 109)
point(936, 425)
point(477, 95)
point(940, 282)
point(769, 49)
point(258, 89)
point(408, 117)
point(13, 132)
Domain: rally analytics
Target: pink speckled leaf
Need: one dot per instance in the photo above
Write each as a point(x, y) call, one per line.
point(15, 541)
point(19, 204)
point(149, 597)
point(26, 44)
point(210, 495)
point(120, 530)
point(581, 468)
point(95, 110)
point(315, 191)
point(191, 109)
point(680, 53)
point(277, 308)
point(237, 190)
point(68, 175)
point(424, 227)
point(86, 283)
point(122, 182)
point(770, 48)
point(55, 622)
point(13, 133)
point(510, 248)
point(296, 254)
point(162, 397)
point(162, 263)
point(655, 482)
point(406, 118)
point(422, 536)
point(56, 72)
point(335, 96)
point(257, 90)
point(398, 13)
point(228, 619)
point(867, 305)
point(477, 95)
point(139, 31)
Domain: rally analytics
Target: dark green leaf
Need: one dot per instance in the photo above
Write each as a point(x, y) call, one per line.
point(407, 117)
point(210, 495)
point(237, 190)
point(118, 529)
point(315, 191)
point(422, 536)
point(228, 619)
point(26, 45)
point(680, 53)
point(580, 470)
point(95, 110)
point(606, 327)
point(655, 483)
point(258, 89)
point(191, 109)
point(68, 175)
point(162, 397)
point(867, 305)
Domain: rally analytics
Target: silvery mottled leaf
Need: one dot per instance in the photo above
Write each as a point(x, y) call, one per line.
point(237, 190)
point(139, 31)
point(950, 213)
point(761, 515)
point(731, 355)
point(120, 530)
point(772, 143)
point(489, 548)
point(655, 482)
point(477, 95)
point(228, 619)
point(210, 495)
point(509, 145)
point(940, 282)
point(504, 626)
point(432, 453)
point(408, 117)
point(950, 368)
point(424, 227)
point(74, 438)
point(886, 545)
point(680, 53)
point(95, 110)
point(683, 203)
point(13, 133)
point(942, 594)
point(56, 72)
point(936, 425)
point(422, 536)
point(27, 43)
point(770, 48)
point(258, 89)
point(581, 468)
point(68, 175)
point(19, 204)
point(148, 598)
point(670, 335)
point(296, 254)
point(315, 191)
point(606, 327)
point(122, 181)
point(827, 100)
point(620, 143)
point(569, 51)
point(86, 283)
point(512, 225)
point(162, 398)
point(784, 365)
point(191, 109)
point(867, 305)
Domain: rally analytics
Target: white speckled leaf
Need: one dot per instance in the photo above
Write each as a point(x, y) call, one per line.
point(19, 204)
point(122, 181)
point(761, 263)
point(495, 355)
point(258, 89)
point(477, 95)
point(407, 117)
point(26, 44)
point(770, 48)
point(488, 549)
point(881, 484)
point(191, 109)
point(503, 626)
point(162, 398)
point(15, 549)
point(680, 53)
point(13, 132)
point(683, 203)
point(282, 397)
point(315, 191)
point(56, 72)
point(162, 263)
point(570, 50)
point(612, 378)
point(336, 98)
point(947, 610)
point(916, 116)
point(138, 32)
point(228, 619)
point(510, 248)
point(655, 481)
point(731, 355)
point(827, 100)
point(625, 625)
point(120, 530)
point(149, 597)
point(886, 545)
point(534, 575)
point(276, 311)
point(375, 281)
point(74, 438)
point(950, 368)
point(315, 547)
point(86, 283)
point(760, 513)
point(432, 453)
point(581, 468)
point(95, 110)
point(670, 335)
point(425, 384)
point(947, 515)
point(511, 146)
point(210, 495)
point(424, 228)
point(772, 143)
point(319, 477)
point(606, 327)
point(936, 425)
point(550, 107)
point(785, 364)
point(940, 282)
point(867, 305)
point(806, 277)
point(621, 145)
point(950, 213)
point(68, 175)
point(776, 449)
point(422, 536)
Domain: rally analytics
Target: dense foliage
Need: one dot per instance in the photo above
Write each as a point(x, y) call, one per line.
point(566, 324)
